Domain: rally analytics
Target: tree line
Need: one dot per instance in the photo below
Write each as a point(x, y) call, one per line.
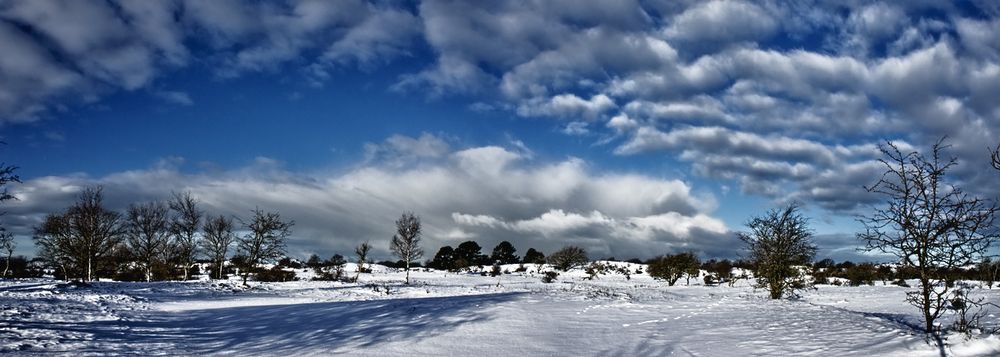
point(154, 240)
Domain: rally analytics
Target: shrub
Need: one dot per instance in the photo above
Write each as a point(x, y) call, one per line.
point(568, 258)
point(862, 274)
point(673, 267)
point(549, 276)
point(275, 274)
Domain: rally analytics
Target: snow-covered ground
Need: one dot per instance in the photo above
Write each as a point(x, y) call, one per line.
point(443, 314)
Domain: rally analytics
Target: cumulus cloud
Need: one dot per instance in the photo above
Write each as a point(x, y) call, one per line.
point(58, 51)
point(784, 99)
point(717, 23)
point(486, 193)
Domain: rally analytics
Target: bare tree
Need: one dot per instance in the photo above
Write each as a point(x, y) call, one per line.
point(995, 156)
point(146, 234)
point(361, 251)
point(56, 244)
point(7, 246)
point(405, 243)
point(778, 242)
point(569, 257)
point(928, 224)
point(265, 240)
point(218, 237)
point(83, 238)
point(184, 226)
point(7, 176)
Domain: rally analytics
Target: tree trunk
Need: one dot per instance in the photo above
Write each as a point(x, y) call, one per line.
point(925, 286)
point(90, 275)
point(186, 272)
point(407, 272)
point(7, 267)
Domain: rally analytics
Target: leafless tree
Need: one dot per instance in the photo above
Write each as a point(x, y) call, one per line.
point(146, 234)
point(184, 226)
point(264, 241)
point(218, 237)
point(7, 246)
point(56, 244)
point(568, 257)
point(405, 243)
point(83, 238)
point(929, 224)
point(7, 176)
point(995, 156)
point(97, 229)
point(778, 242)
point(361, 251)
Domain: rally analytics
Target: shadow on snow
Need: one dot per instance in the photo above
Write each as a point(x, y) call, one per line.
point(303, 328)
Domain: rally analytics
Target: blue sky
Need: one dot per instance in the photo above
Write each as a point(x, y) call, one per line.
point(631, 128)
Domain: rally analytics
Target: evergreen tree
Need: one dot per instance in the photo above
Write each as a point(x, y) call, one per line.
point(444, 259)
point(533, 256)
point(468, 254)
point(503, 253)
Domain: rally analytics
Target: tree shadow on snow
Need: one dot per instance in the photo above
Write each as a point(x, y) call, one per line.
point(325, 327)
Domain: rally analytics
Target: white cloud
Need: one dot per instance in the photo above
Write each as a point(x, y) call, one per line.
point(457, 196)
point(568, 106)
point(720, 22)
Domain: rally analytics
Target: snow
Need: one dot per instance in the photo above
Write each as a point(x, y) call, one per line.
point(461, 314)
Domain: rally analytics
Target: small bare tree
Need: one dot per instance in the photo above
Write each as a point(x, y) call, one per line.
point(184, 227)
point(146, 234)
point(7, 246)
point(218, 237)
point(264, 241)
point(778, 242)
point(405, 243)
point(361, 251)
point(928, 224)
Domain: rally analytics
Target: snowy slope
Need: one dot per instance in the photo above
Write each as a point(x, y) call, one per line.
point(462, 314)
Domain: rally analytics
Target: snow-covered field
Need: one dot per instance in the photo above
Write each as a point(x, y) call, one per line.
point(443, 314)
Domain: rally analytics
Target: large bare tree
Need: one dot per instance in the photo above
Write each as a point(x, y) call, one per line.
point(778, 242)
point(147, 235)
point(405, 243)
point(218, 237)
point(264, 241)
point(184, 226)
point(55, 243)
point(930, 225)
point(82, 239)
